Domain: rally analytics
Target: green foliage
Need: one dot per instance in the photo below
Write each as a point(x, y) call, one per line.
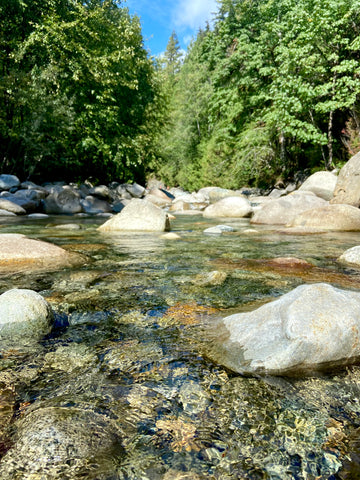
point(268, 91)
point(85, 95)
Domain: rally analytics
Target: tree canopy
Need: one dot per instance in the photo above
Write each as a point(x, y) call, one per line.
point(77, 90)
point(271, 89)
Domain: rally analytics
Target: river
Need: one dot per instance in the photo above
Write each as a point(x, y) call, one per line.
point(130, 357)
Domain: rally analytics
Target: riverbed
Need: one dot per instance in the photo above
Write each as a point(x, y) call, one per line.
point(130, 356)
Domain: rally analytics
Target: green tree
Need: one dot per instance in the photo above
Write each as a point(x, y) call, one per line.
point(172, 55)
point(283, 78)
point(86, 92)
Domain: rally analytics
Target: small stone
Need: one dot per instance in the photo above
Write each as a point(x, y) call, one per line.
point(170, 236)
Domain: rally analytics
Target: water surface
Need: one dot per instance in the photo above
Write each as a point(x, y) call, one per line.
point(126, 376)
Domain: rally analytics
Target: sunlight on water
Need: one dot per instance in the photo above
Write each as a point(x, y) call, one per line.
point(123, 389)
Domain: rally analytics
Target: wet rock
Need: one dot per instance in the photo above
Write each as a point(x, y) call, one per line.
point(24, 314)
point(313, 327)
point(351, 256)
point(178, 475)
point(131, 356)
point(320, 183)
point(210, 278)
point(94, 205)
point(11, 207)
point(229, 207)
point(138, 215)
point(283, 210)
point(6, 213)
point(68, 226)
point(38, 215)
point(170, 236)
point(330, 217)
point(347, 189)
point(218, 229)
point(55, 442)
point(62, 200)
point(193, 398)
point(8, 181)
point(18, 252)
point(70, 357)
point(7, 408)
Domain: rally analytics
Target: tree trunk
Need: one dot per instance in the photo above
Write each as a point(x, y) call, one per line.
point(329, 163)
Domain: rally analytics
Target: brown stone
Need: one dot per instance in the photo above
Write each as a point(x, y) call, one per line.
point(18, 252)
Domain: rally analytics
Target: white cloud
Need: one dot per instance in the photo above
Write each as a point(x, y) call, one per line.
point(193, 13)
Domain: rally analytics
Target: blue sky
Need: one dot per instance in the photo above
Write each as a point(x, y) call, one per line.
point(160, 17)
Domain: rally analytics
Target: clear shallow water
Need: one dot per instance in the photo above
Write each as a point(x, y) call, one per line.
point(124, 387)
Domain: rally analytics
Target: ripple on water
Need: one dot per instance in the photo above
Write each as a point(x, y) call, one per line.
point(122, 388)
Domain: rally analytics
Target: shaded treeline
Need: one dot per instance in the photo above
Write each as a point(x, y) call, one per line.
point(77, 90)
point(271, 88)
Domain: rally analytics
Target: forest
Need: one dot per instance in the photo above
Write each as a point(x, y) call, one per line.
point(268, 89)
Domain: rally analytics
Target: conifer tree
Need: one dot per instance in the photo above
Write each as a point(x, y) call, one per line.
point(173, 55)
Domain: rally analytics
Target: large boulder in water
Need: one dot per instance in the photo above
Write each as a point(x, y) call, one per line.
point(313, 327)
point(320, 183)
point(229, 207)
point(24, 314)
point(347, 189)
point(63, 443)
point(138, 215)
point(18, 252)
point(283, 210)
point(331, 217)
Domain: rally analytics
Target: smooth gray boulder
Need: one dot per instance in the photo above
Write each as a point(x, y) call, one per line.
point(214, 194)
point(93, 205)
point(331, 217)
point(8, 181)
point(320, 183)
point(313, 327)
point(234, 207)
point(138, 215)
point(135, 190)
point(62, 200)
point(347, 189)
point(351, 256)
point(11, 207)
point(100, 191)
point(6, 213)
point(24, 314)
point(283, 210)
